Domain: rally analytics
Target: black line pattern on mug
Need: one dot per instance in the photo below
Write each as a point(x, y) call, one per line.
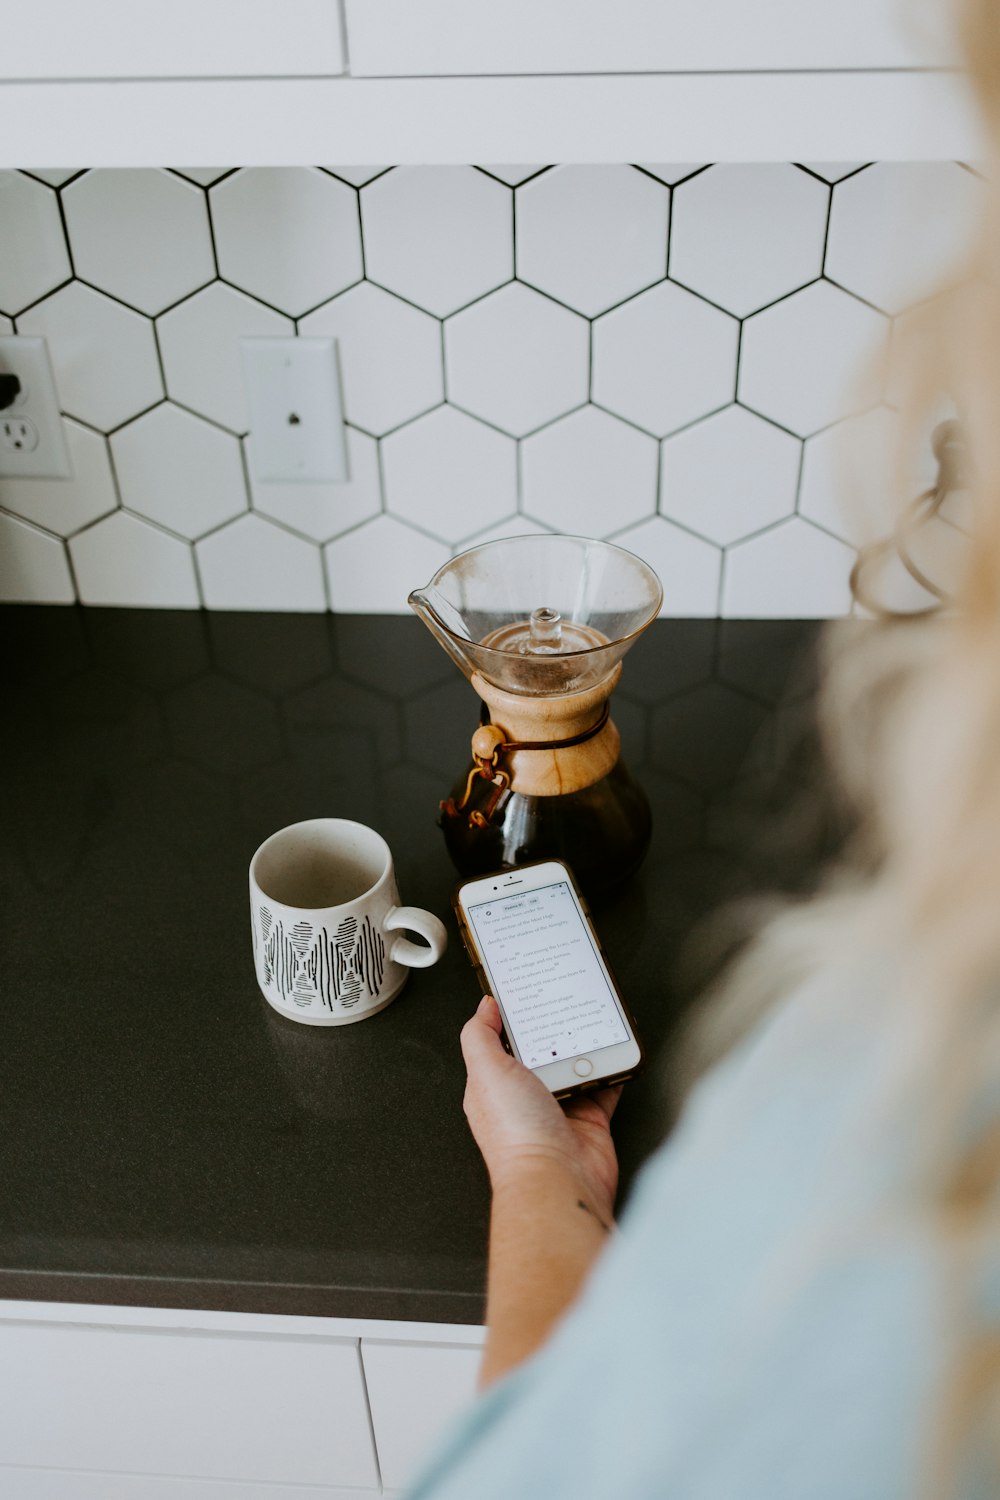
point(305, 965)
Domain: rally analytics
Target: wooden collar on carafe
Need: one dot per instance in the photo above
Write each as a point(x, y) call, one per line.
point(551, 767)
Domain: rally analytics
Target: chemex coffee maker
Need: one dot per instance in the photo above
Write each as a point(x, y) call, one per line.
point(539, 625)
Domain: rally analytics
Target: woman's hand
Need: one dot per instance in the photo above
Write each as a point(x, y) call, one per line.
point(554, 1174)
point(516, 1121)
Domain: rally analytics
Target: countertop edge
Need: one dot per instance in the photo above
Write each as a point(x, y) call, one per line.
point(404, 1304)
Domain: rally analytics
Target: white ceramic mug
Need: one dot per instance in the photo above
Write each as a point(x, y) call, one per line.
point(325, 915)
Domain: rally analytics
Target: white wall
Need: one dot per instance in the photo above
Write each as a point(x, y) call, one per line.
point(662, 355)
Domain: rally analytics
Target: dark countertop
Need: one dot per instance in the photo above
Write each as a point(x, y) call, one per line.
point(166, 1139)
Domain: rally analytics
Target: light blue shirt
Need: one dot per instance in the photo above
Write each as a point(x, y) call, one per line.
point(768, 1324)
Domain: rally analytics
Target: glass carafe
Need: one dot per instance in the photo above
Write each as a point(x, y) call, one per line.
point(539, 625)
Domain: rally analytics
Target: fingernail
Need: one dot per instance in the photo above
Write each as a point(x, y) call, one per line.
point(484, 1002)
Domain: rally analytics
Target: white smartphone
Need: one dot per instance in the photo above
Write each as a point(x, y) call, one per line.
point(530, 937)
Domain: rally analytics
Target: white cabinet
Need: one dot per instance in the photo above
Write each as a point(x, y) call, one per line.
point(108, 1403)
point(426, 37)
point(66, 39)
point(280, 82)
point(414, 1391)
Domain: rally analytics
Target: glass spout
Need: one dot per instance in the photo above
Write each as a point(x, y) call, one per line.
point(445, 624)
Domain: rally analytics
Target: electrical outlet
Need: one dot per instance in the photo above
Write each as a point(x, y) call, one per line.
point(296, 420)
point(32, 441)
point(19, 434)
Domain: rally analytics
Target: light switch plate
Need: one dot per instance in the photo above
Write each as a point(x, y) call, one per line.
point(32, 441)
point(296, 415)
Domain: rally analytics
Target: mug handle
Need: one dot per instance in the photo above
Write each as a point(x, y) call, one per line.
point(430, 928)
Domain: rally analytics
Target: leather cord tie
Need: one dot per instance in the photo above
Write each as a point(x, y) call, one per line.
point(488, 745)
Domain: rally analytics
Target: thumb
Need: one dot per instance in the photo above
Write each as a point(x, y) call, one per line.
point(481, 1034)
point(488, 1013)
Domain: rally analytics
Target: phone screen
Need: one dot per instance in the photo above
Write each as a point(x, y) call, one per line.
point(545, 971)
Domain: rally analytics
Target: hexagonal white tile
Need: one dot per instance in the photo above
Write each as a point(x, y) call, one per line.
point(592, 236)
point(252, 564)
point(833, 171)
point(745, 234)
point(6, 326)
point(513, 526)
point(897, 229)
point(687, 567)
point(511, 174)
point(180, 471)
point(33, 566)
point(122, 560)
point(589, 474)
point(664, 359)
point(372, 570)
point(33, 256)
point(730, 475)
point(103, 355)
point(812, 359)
point(449, 474)
point(439, 236)
point(322, 511)
point(289, 235)
point(390, 356)
point(357, 176)
point(850, 479)
point(516, 359)
point(672, 171)
point(64, 505)
point(140, 234)
point(791, 572)
point(200, 345)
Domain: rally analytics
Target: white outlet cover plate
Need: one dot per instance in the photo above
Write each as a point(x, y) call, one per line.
point(296, 414)
point(37, 403)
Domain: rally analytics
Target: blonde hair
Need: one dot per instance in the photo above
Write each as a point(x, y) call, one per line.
point(910, 721)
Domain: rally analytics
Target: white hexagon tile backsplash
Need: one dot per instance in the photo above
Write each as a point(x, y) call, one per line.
point(673, 356)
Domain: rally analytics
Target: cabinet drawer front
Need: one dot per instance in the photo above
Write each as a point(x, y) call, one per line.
point(213, 1406)
point(421, 37)
point(415, 1392)
point(185, 39)
point(75, 1484)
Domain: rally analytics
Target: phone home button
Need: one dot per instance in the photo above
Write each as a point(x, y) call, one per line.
point(583, 1067)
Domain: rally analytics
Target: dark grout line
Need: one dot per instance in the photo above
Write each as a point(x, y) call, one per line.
point(211, 228)
point(826, 227)
point(383, 501)
point(766, 417)
point(199, 582)
point(799, 475)
point(52, 292)
point(256, 297)
point(513, 230)
point(159, 361)
point(864, 300)
point(65, 226)
point(361, 231)
point(72, 570)
point(739, 355)
point(110, 431)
